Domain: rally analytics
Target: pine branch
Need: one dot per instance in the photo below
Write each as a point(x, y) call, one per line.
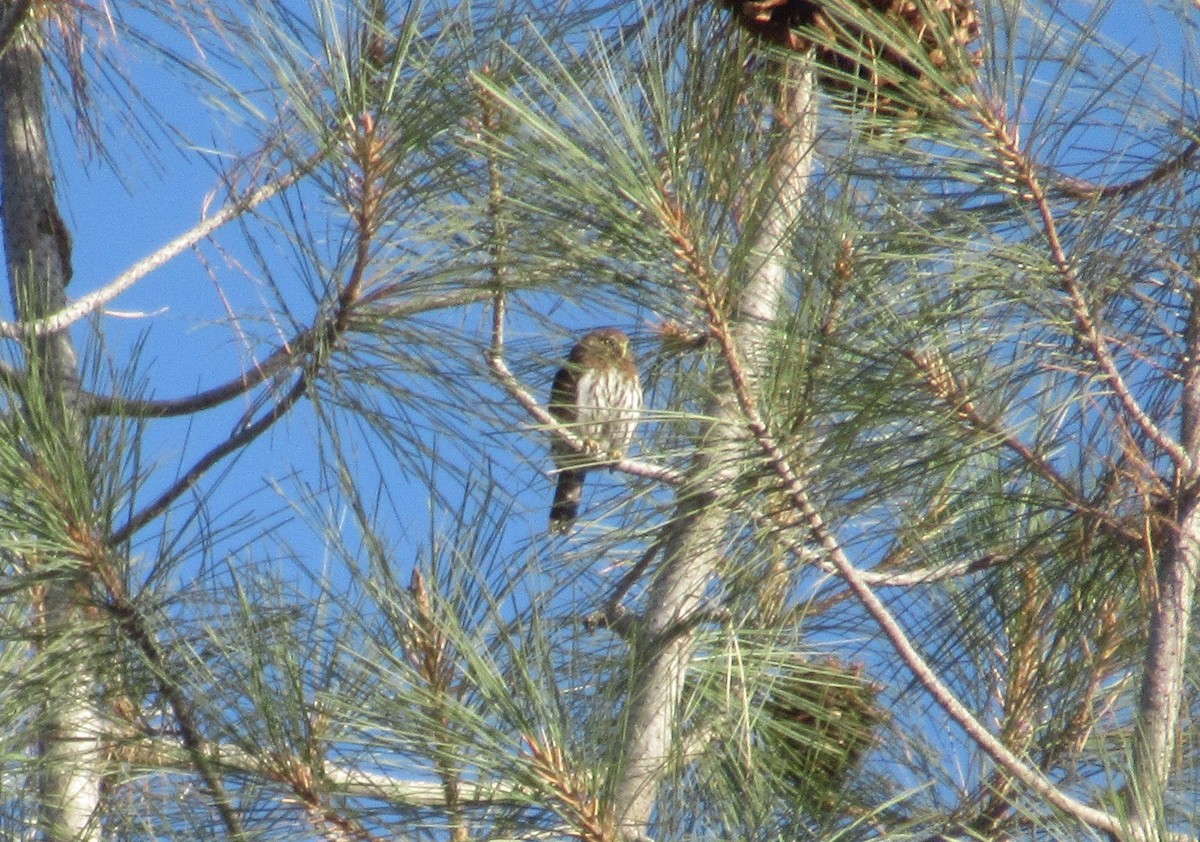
point(1022, 171)
point(519, 393)
point(133, 625)
point(290, 355)
point(153, 751)
point(790, 480)
point(366, 151)
point(1082, 190)
point(92, 302)
point(241, 437)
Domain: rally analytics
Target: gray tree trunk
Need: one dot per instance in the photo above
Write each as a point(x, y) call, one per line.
point(1163, 680)
point(37, 247)
point(663, 643)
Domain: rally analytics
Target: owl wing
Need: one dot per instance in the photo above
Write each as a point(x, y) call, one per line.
point(562, 394)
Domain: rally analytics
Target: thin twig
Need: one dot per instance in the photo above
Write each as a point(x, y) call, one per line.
point(95, 300)
point(242, 437)
point(133, 625)
point(1078, 188)
point(615, 616)
point(626, 583)
point(518, 392)
point(288, 355)
point(901, 578)
point(940, 381)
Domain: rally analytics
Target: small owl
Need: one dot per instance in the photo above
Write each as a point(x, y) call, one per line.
point(598, 395)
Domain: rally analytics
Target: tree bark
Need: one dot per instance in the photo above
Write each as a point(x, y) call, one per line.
point(664, 642)
point(1163, 680)
point(37, 246)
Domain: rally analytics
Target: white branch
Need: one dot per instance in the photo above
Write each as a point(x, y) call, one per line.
point(399, 791)
point(545, 420)
point(94, 301)
point(692, 538)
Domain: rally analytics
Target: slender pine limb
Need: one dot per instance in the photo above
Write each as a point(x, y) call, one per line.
point(1078, 188)
point(545, 421)
point(941, 382)
point(242, 437)
point(1087, 331)
point(133, 625)
point(291, 355)
point(367, 149)
point(92, 302)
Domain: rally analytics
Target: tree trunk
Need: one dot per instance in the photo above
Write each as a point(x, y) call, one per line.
point(1163, 681)
point(37, 247)
point(664, 643)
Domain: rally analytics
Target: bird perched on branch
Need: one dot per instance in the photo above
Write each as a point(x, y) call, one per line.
point(597, 395)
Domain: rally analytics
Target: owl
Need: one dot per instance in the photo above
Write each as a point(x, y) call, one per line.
point(598, 396)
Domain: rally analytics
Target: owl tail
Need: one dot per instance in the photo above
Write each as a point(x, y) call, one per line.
point(566, 500)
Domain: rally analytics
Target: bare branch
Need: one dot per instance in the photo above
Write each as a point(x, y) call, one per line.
point(158, 752)
point(290, 355)
point(518, 392)
point(239, 439)
point(1078, 188)
point(901, 578)
point(92, 302)
point(247, 433)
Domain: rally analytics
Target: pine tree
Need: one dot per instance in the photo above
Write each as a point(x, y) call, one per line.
point(904, 547)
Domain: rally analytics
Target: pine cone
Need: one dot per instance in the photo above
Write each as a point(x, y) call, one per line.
point(857, 61)
point(819, 720)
